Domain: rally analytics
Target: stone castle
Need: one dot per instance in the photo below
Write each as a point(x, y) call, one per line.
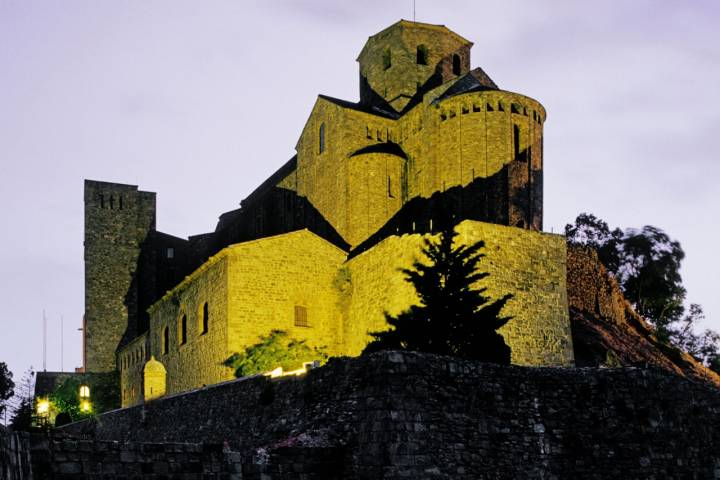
point(316, 249)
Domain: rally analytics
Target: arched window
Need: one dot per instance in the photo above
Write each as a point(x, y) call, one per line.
point(422, 55)
point(165, 340)
point(205, 316)
point(182, 330)
point(516, 142)
point(322, 138)
point(456, 64)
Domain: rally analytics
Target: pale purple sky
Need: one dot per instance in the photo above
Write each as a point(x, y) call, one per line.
point(201, 101)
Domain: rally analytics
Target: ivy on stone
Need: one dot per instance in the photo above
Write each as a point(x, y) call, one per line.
point(277, 349)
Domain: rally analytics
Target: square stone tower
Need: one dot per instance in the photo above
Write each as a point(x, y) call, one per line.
point(118, 218)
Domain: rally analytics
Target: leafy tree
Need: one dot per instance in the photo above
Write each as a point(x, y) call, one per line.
point(22, 418)
point(646, 264)
point(705, 346)
point(275, 350)
point(7, 386)
point(453, 318)
point(23, 405)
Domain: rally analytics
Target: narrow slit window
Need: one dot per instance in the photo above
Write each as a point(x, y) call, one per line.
point(112, 202)
point(102, 201)
point(183, 330)
point(387, 59)
point(516, 141)
point(301, 317)
point(120, 202)
point(389, 187)
point(205, 319)
point(165, 340)
point(322, 138)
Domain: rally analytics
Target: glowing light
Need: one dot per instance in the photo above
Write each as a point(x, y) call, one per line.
point(43, 407)
point(84, 391)
point(85, 406)
point(279, 372)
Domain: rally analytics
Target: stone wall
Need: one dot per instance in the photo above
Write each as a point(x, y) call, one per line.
point(62, 458)
point(406, 415)
point(194, 358)
point(528, 264)
point(271, 279)
point(14, 455)
point(251, 289)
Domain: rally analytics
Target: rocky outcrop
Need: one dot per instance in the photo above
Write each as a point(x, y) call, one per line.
point(608, 332)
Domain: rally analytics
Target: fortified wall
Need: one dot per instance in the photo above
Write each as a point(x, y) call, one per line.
point(408, 415)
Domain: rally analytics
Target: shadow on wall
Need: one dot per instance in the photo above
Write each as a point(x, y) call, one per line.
point(493, 199)
point(165, 260)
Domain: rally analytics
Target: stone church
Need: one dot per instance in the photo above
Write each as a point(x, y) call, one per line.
point(316, 249)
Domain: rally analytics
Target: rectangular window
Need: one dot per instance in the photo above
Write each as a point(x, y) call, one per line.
point(301, 318)
point(389, 185)
point(170, 252)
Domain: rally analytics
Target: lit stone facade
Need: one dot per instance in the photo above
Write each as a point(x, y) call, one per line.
point(316, 249)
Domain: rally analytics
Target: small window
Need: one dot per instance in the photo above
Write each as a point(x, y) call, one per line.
point(422, 55)
point(301, 319)
point(456, 66)
point(322, 138)
point(387, 59)
point(182, 337)
point(120, 202)
point(165, 340)
point(368, 133)
point(112, 202)
point(205, 317)
point(516, 141)
point(102, 201)
point(389, 186)
point(489, 108)
point(170, 252)
point(501, 107)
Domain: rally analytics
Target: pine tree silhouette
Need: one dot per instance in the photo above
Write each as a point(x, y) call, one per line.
point(452, 318)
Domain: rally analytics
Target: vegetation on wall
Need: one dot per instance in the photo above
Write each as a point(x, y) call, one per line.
point(277, 349)
point(646, 263)
point(454, 317)
point(104, 395)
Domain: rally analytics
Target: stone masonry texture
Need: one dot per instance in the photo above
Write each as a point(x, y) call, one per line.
point(397, 415)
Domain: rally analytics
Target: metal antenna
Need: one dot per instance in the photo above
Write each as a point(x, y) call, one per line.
point(62, 344)
point(44, 342)
point(413, 10)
